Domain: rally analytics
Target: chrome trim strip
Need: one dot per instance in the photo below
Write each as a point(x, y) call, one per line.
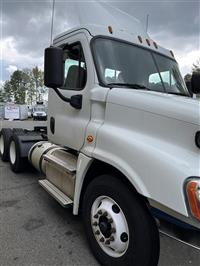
point(179, 240)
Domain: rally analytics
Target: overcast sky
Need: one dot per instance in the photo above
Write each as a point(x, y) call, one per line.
point(25, 28)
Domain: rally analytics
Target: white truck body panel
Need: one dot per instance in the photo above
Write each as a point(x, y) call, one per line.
point(152, 147)
point(147, 135)
point(69, 121)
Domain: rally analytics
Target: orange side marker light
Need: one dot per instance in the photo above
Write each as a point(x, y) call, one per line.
point(192, 190)
point(90, 139)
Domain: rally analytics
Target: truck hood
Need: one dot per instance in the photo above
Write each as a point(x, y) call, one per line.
point(173, 106)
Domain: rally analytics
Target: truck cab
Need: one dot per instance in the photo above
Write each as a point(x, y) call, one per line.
point(136, 116)
point(123, 140)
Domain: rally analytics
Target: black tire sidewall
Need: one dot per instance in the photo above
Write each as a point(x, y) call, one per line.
point(142, 228)
point(6, 133)
point(17, 165)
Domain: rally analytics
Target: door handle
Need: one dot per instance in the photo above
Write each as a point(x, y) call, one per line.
point(52, 125)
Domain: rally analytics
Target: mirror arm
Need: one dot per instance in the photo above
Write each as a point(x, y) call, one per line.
point(75, 101)
point(65, 99)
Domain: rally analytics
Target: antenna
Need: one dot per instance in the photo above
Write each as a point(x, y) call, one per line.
point(52, 18)
point(147, 22)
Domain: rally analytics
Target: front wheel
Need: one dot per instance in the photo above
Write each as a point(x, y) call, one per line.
point(119, 226)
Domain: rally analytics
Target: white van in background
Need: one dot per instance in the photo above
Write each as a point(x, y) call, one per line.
point(39, 111)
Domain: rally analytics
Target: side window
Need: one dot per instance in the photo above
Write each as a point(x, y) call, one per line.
point(75, 73)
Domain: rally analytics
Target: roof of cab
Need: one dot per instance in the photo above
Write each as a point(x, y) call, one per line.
point(136, 35)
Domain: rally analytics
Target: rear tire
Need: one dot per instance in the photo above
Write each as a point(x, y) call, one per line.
point(5, 136)
point(17, 163)
point(118, 224)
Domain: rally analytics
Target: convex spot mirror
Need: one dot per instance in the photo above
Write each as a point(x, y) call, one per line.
point(53, 67)
point(195, 83)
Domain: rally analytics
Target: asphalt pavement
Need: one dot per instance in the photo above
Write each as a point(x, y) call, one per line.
point(35, 230)
point(26, 124)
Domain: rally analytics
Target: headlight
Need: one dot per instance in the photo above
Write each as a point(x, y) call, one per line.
point(193, 196)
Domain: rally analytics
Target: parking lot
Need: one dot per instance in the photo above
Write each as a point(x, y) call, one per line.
point(27, 124)
point(36, 230)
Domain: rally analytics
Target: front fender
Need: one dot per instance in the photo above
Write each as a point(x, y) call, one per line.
point(155, 172)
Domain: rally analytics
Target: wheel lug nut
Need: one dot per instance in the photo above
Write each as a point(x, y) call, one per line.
point(105, 214)
point(111, 238)
point(107, 242)
point(110, 220)
point(100, 212)
point(115, 208)
point(97, 232)
point(95, 224)
point(113, 230)
point(124, 237)
point(101, 239)
point(96, 216)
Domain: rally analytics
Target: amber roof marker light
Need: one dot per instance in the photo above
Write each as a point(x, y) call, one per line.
point(110, 29)
point(140, 39)
point(148, 42)
point(171, 52)
point(155, 45)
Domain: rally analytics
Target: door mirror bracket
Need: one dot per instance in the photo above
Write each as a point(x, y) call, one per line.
point(75, 100)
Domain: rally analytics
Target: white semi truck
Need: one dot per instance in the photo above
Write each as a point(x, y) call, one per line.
point(123, 140)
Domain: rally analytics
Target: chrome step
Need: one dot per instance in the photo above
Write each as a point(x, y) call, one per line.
point(56, 193)
point(67, 163)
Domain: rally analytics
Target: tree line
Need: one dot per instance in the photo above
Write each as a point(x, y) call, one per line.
point(195, 68)
point(24, 86)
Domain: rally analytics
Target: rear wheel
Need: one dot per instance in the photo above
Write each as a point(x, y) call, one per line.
point(17, 163)
point(5, 136)
point(119, 226)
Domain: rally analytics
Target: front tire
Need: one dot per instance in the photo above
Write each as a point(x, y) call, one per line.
point(118, 224)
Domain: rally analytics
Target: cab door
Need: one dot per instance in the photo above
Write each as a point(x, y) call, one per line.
point(66, 124)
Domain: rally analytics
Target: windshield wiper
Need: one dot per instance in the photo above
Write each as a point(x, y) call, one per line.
point(133, 86)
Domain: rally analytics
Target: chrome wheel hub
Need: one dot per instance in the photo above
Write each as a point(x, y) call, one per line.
point(109, 226)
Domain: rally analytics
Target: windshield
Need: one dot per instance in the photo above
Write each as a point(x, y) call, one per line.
point(39, 109)
point(122, 64)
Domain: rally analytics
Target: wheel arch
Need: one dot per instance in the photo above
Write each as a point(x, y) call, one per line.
point(98, 168)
